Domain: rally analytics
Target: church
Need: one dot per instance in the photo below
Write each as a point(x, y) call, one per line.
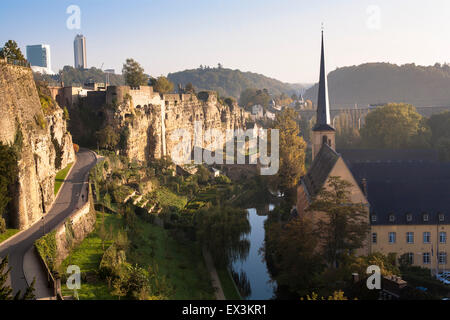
point(407, 192)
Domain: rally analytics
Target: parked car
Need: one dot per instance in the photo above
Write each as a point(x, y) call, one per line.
point(444, 279)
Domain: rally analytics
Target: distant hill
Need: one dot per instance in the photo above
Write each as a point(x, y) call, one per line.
point(375, 83)
point(230, 83)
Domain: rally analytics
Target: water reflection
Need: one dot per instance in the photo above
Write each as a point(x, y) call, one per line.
point(251, 273)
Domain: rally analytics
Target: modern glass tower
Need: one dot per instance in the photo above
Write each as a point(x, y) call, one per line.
point(39, 56)
point(79, 46)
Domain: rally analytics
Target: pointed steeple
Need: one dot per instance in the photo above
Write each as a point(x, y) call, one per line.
point(323, 106)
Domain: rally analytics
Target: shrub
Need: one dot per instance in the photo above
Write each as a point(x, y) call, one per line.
point(40, 120)
point(76, 148)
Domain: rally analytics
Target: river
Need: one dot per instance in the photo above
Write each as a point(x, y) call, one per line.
point(254, 266)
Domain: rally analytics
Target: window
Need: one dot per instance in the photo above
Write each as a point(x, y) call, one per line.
point(392, 237)
point(441, 217)
point(425, 217)
point(426, 237)
point(409, 217)
point(374, 218)
point(374, 237)
point(442, 257)
point(410, 257)
point(391, 218)
point(410, 237)
point(426, 258)
point(443, 237)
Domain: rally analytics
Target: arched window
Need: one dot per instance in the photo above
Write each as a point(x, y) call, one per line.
point(324, 140)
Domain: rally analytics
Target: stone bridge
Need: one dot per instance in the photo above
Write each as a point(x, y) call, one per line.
point(357, 116)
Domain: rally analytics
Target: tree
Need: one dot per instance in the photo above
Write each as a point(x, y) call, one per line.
point(292, 151)
point(11, 51)
point(189, 88)
point(134, 74)
point(221, 231)
point(6, 291)
point(395, 126)
point(162, 85)
point(290, 251)
point(440, 134)
point(344, 227)
point(8, 174)
point(251, 96)
point(108, 138)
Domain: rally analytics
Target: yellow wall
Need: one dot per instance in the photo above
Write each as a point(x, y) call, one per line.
point(418, 247)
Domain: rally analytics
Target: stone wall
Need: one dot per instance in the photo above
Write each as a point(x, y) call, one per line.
point(46, 144)
point(73, 231)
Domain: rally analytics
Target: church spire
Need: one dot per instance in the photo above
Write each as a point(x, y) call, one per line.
point(323, 106)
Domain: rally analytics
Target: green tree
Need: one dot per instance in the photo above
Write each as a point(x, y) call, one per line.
point(6, 292)
point(290, 250)
point(251, 96)
point(8, 174)
point(134, 74)
point(344, 227)
point(440, 134)
point(292, 151)
point(395, 126)
point(221, 231)
point(108, 138)
point(11, 51)
point(189, 88)
point(162, 85)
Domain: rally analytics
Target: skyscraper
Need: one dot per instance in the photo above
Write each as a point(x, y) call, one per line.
point(40, 58)
point(39, 55)
point(79, 46)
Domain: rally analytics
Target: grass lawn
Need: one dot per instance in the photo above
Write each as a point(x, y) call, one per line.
point(167, 198)
point(60, 176)
point(8, 234)
point(181, 263)
point(228, 286)
point(88, 256)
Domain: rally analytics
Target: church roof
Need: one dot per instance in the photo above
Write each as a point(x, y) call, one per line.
point(399, 187)
point(320, 170)
point(323, 106)
point(384, 155)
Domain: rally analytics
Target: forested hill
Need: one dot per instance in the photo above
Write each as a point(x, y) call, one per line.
point(374, 83)
point(230, 83)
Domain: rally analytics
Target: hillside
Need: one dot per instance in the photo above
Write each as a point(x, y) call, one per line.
point(230, 83)
point(374, 83)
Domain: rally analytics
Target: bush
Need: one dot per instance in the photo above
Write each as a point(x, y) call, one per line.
point(76, 148)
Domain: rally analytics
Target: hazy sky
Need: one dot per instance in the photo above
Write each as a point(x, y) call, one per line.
point(278, 38)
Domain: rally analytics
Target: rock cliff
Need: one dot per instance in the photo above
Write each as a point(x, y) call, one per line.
point(45, 144)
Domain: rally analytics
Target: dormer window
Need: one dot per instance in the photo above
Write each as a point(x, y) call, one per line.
point(426, 217)
point(409, 217)
point(391, 218)
point(441, 217)
point(374, 218)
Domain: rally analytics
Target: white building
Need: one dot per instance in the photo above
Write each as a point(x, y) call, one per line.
point(79, 46)
point(40, 58)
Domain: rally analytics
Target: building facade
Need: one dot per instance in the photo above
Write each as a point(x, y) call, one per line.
point(407, 192)
point(79, 46)
point(39, 58)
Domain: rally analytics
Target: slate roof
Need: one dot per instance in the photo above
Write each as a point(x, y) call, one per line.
point(416, 185)
point(320, 169)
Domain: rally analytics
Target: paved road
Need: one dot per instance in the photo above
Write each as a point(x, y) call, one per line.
point(69, 199)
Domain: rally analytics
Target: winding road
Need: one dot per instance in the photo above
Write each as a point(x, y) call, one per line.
point(69, 199)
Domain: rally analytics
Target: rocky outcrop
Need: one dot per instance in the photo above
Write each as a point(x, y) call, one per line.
point(147, 120)
point(45, 144)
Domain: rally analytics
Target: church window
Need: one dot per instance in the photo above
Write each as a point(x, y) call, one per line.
point(324, 140)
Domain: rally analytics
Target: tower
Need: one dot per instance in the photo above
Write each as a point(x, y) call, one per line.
point(79, 46)
point(323, 132)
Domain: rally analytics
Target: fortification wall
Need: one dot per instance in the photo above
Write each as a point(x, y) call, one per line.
point(46, 144)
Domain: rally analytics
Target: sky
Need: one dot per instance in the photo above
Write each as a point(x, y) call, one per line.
point(277, 38)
